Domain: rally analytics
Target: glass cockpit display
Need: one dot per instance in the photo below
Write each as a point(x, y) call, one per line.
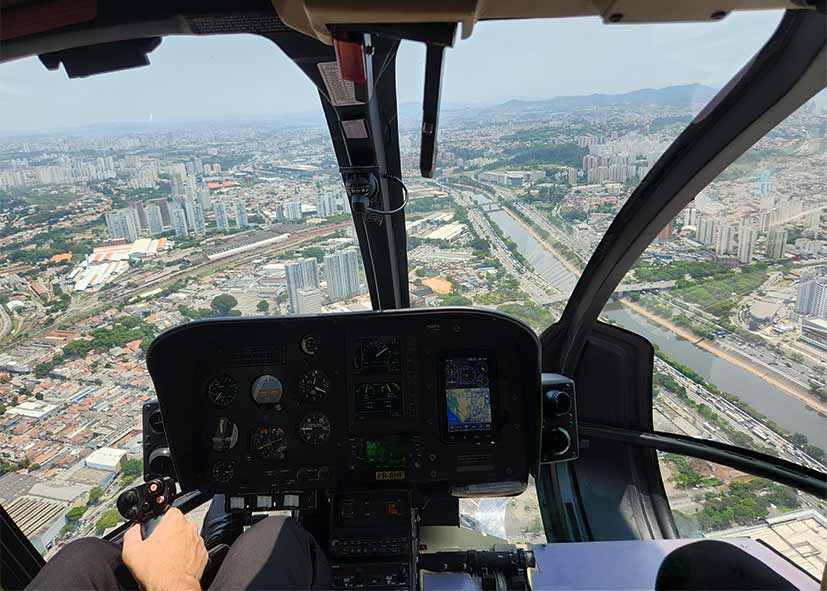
point(468, 395)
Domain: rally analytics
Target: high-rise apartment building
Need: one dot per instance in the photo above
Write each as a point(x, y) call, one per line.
point(812, 296)
point(308, 300)
point(179, 220)
point(302, 273)
point(747, 238)
point(163, 204)
point(222, 219)
point(123, 224)
point(293, 211)
point(195, 216)
point(690, 217)
point(204, 198)
point(342, 273)
point(707, 229)
point(726, 237)
point(776, 243)
point(240, 214)
point(154, 220)
point(325, 204)
point(812, 222)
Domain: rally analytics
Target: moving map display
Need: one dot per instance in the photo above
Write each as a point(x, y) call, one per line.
point(467, 394)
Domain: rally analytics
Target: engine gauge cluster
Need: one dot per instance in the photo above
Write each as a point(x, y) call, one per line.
point(378, 355)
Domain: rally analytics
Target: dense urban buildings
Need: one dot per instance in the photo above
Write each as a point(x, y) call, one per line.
point(109, 239)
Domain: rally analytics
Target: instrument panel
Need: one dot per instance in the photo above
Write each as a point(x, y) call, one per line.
point(424, 398)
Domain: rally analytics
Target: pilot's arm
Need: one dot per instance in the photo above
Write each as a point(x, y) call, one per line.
point(171, 559)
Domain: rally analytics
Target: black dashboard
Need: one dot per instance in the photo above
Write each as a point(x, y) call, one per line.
point(439, 400)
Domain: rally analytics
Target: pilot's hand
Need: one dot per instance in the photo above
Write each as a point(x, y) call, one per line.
point(171, 559)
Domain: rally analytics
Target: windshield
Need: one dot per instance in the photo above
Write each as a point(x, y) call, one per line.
point(134, 217)
point(206, 186)
point(529, 180)
point(731, 296)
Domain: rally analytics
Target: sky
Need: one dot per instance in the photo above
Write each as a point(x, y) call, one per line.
point(232, 77)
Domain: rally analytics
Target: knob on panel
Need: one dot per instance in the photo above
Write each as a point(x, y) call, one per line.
point(557, 402)
point(558, 441)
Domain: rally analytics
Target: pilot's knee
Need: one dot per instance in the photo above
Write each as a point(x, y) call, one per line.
point(86, 549)
point(279, 523)
point(281, 528)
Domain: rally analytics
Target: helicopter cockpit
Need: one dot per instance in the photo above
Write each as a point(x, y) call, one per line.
point(371, 428)
point(375, 421)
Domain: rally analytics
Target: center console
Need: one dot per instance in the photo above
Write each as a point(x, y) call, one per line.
point(373, 540)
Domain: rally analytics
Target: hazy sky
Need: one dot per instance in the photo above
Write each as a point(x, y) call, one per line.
point(203, 78)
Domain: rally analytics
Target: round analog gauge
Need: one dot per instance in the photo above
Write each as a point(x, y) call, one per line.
point(314, 429)
point(269, 443)
point(314, 386)
point(267, 389)
point(223, 471)
point(222, 391)
point(310, 344)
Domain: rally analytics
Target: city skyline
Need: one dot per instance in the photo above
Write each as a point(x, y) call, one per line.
point(175, 88)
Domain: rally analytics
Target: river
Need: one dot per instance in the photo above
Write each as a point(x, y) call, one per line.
point(789, 412)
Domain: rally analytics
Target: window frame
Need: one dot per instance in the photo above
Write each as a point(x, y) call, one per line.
point(785, 73)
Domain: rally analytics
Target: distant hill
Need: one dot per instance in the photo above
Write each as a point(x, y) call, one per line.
point(677, 96)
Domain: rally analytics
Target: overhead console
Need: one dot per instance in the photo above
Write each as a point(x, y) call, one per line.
point(270, 410)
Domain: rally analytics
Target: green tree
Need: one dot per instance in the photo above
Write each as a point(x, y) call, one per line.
point(223, 304)
point(109, 519)
point(315, 252)
point(75, 513)
point(132, 468)
point(95, 494)
point(455, 300)
point(263, 306)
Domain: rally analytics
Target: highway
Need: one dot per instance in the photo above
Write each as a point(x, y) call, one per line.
point(538, 289)
point(739, 420)
point(797, 374)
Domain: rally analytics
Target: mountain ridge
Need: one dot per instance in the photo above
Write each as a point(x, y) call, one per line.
point(677, 95)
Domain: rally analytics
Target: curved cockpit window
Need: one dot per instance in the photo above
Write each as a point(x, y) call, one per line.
point(195, 188)
point(729, 294)
point(539, 153)
point(206, 186)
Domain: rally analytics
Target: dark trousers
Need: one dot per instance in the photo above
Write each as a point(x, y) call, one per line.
point(275, 553)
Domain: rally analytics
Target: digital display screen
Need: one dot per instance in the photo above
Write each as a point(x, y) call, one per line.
point(468, 394)
point(388, 452)
point(383, 399)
